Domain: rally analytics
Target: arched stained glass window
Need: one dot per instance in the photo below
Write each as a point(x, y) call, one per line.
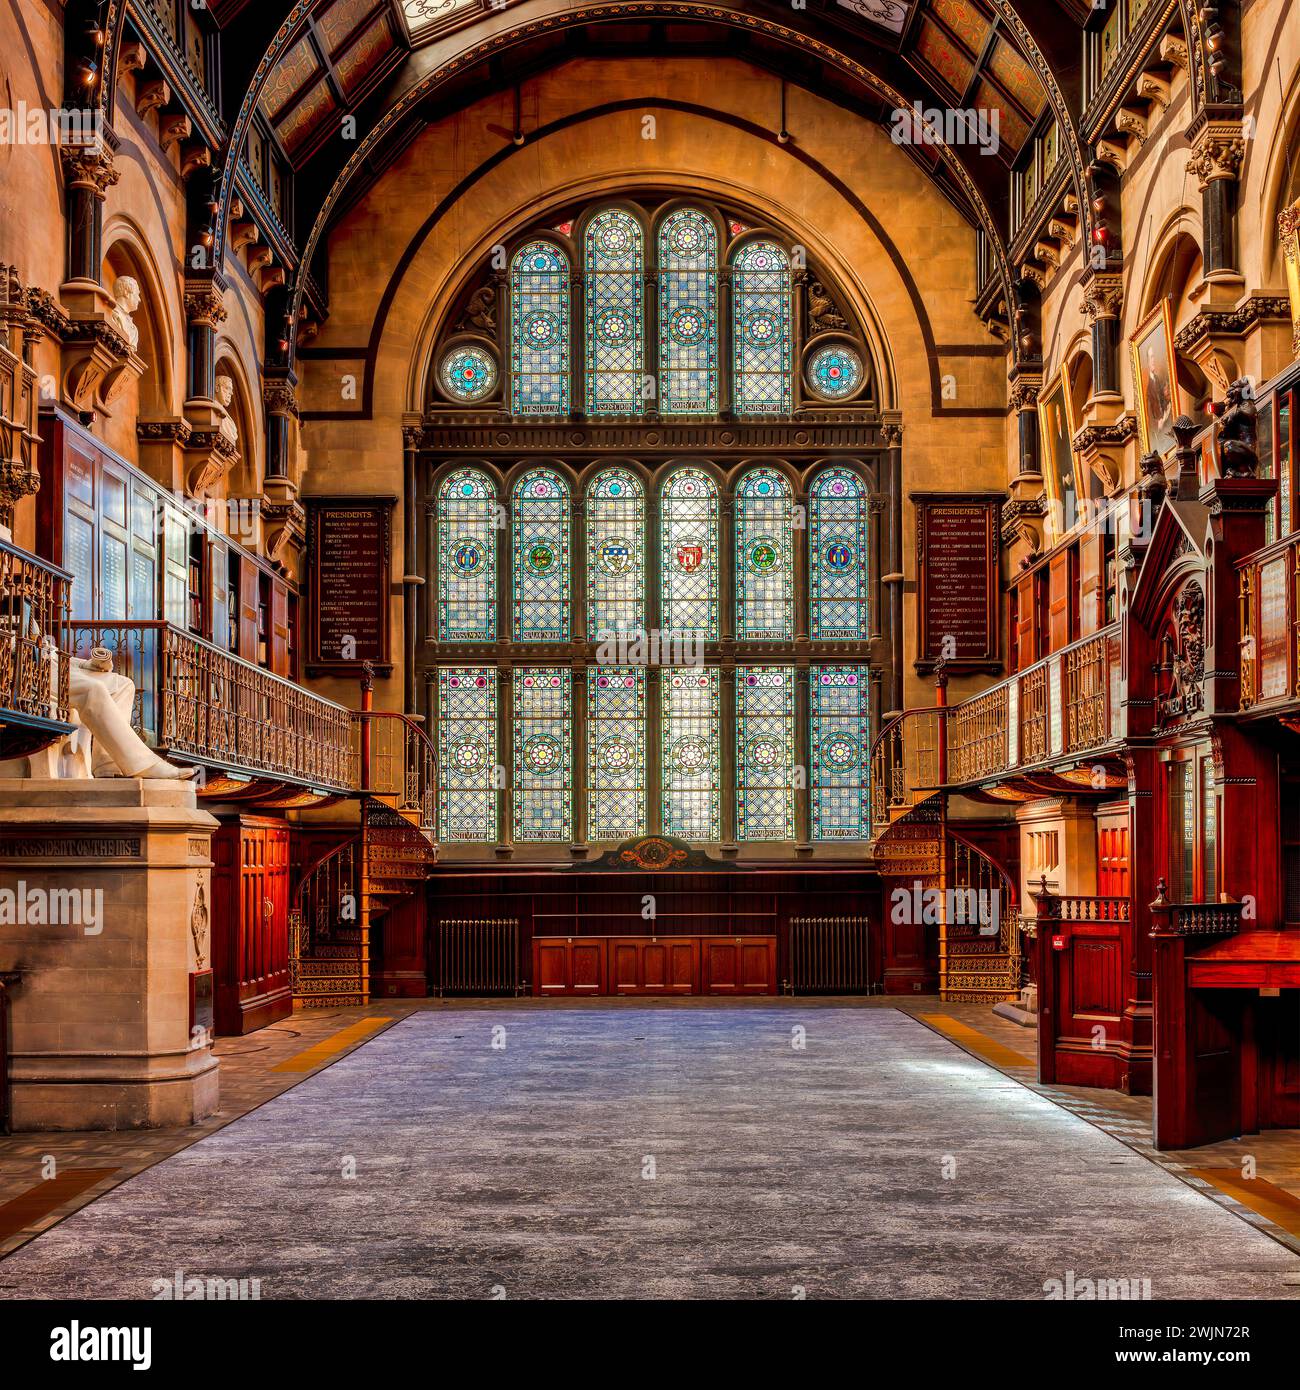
point(539, 330)
point(467, 558)
point(615, 313)
point(616, 765)
point(765, 752)
point(762, 344)
point(837, 556)
point(764, 558)
point(615, 553)
point(688, 314)
point(689, 554)
point(839, 717)
point(541, 557)
point(691, 737)
point(467, 753)
point(543, 737)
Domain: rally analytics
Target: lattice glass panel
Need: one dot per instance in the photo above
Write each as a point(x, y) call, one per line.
point(615, 314)
point(691, 736)
point(539, 330)
point(467, 753)
point(765, 752)
point(839, 774)
point(688, 314)
point(689, 554)
point(761, 333)
point(615, 553)
point(540, 608)
point(764, 558)
point(467, 558)
point(616, 753)
point(543, 753)
point(837, 557)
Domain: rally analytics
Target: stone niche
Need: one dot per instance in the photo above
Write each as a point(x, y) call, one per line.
point(100, 1032)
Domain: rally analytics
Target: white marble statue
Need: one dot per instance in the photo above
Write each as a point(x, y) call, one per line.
point(227, 429)
point(103, 700)
point(126, 294)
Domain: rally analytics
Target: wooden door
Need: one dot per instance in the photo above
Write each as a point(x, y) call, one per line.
point(250, 924)
point(1112, 854)
point(568, 965)
point(654, 965)
point(738, 965)
point(249, 577)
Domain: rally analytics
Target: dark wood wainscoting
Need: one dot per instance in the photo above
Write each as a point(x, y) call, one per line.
point(250, 924)
point(651, 934)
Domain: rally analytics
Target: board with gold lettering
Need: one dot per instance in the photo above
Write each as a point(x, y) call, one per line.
point(957, 537)
point(349, 564)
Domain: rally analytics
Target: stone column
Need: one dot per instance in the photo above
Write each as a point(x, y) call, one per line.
point(107, 886)
point(204, 312)
point(892, 578)
point(1103, 297)
point(1217, 152)
point(89, 172)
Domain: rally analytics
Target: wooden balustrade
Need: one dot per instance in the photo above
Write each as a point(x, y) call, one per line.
point(33, 618)
point(1193, 919)
point(1060, 707)
point(195, 700)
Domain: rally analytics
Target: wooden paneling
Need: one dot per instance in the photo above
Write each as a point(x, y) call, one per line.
point(575, 965)
point(250, 924)
point(738, 965)
point(655, 966)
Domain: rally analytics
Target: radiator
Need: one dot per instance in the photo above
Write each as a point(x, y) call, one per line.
point(479, 955)
point(829, 955)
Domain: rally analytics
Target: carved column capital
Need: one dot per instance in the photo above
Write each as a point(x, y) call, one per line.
point(203, 303)
point(89, 166)
point(1023, 394)
point(1103, 296)
point(279, 397)
point(1217, 152)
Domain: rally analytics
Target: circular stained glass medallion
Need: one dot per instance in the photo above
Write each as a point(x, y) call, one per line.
point(540, 557)
point(616, 754)
point(542, 754)
point(690, 755)
point(467, 555)
point(469, 755)
point(764, 753)
point(834, 372)
point(541, 327)
point(839, 752)
point(762, 555)
point(687, 325)
point(468, 373)
point(760, 328)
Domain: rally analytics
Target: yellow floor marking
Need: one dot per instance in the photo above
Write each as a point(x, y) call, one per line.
point(29, 1207)
point(989, 1048)
point(1281, 1207)
point(320, 1053)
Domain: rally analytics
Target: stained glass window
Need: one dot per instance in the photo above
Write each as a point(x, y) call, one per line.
point(467, 753)
point(615, 317)
point(764, 558)
point(467, 558)
point(688, 314)
point(761, 329)
point(691, 753)
point(615, 553)
point(839, 717)
point(539, 330)
point(543, 771)
point(616, 764)
point(689, 554)
point(541, 557)
point(837, 556)
point(765, 752)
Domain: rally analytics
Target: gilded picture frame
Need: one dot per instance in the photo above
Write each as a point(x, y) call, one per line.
point(1288, 227)
point(1155, 379)
point(1056, 427)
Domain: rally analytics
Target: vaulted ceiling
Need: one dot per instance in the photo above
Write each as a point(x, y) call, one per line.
point(304, 69)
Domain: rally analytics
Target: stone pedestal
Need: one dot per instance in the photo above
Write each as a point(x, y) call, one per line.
point(104, 909)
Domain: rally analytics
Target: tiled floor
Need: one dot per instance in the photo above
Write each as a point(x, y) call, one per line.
point(266, 1064)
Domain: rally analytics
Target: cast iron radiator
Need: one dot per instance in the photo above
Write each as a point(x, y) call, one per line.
point(829, 955)
point(479, 955)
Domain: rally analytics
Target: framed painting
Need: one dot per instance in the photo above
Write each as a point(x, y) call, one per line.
point(1155, 379)
point(1056, 431)
point(1288, 226)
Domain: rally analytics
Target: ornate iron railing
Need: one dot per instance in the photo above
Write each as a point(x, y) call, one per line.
point(194, 700)
point(907, 760)
point(396, 762)
point(33, 618)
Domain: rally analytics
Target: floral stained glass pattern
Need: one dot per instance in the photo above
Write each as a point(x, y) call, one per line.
point(688, 314)
point(616, 765)
point(615, 314)
point(835, 371)
point(468, 373)
point(539, 330)
point(837, 557)
point(467, 558)
point(765, 752)
point(839, 714)
point(761, 329)
point(467, 753)
point(689, 554)
point(543, 770)
point(541, 557)
point(691, 753)
point(764, 558)
point(615, 553)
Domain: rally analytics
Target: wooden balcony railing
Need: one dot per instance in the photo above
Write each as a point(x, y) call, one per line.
point(195, 701)
point(33, 617)
point(1193, 919)
point(1060, 707)
point(1079, 907)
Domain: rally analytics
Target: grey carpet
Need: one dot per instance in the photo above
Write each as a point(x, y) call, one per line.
point(776, 1170)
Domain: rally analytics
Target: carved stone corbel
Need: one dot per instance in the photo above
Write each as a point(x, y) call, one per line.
point(1217, 152)
point(151, 96)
